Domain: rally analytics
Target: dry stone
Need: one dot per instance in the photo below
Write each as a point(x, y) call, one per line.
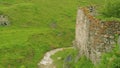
point(4, 20)
point(94, 37)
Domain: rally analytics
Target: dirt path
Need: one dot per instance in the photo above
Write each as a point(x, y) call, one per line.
point(47, 62)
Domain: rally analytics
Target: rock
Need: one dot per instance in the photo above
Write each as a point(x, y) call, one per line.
point(106, 36)
point(112, 37)
point(4, 20)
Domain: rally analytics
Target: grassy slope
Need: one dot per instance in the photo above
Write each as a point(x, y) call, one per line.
point(36, 27)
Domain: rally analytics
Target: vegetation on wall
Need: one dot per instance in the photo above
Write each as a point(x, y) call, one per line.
point(110, 11)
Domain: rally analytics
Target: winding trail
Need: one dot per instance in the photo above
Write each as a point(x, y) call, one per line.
point(47, 62)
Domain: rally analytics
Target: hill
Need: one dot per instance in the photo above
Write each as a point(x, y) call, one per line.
point(36, 26)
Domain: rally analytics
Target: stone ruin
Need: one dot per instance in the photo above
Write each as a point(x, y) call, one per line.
point(93, 36)
point(4, 20)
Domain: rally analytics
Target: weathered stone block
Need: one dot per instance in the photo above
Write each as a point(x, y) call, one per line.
point(4, 20)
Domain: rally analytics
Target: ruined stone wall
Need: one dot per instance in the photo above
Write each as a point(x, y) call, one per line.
point(4, 20)
point(93, 36)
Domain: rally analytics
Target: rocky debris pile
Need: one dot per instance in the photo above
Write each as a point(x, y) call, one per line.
point(4, 20)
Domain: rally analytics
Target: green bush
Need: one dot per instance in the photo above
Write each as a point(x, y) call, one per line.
point(112, 9)
point(110, 60)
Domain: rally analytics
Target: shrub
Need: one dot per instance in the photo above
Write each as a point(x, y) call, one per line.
point(112, 9)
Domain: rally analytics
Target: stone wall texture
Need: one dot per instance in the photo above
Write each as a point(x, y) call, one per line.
point(94, 37)
point(4, 20)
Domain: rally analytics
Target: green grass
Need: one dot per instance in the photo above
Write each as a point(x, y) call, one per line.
point(109, 11)
point(108, 60)
point(83, 62)
point(63, 56)
point(36, 26)
point(18, 45)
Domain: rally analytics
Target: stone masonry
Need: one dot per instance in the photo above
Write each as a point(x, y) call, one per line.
point(94, 37)
point(4, 20)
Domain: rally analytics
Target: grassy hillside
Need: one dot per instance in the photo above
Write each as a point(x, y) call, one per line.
point(36, 26)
